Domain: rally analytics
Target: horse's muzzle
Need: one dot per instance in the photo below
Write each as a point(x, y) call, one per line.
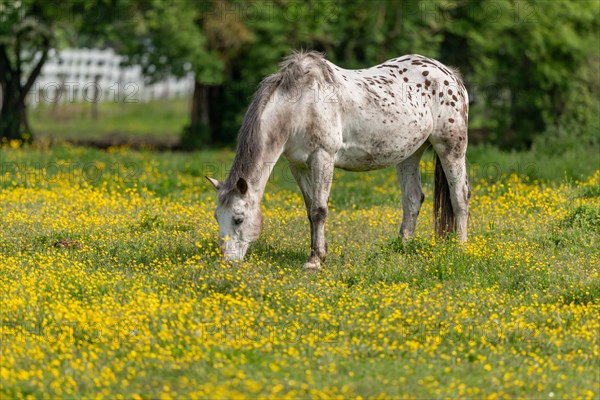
point(234, 251)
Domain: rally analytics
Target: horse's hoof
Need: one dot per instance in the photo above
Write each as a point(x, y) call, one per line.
point(312, 266)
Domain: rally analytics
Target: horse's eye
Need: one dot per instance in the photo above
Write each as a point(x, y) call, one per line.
point(238, 220)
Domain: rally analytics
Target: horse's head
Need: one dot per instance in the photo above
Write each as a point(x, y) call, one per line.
point(239, 217)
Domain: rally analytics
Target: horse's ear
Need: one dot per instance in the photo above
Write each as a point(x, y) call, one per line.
point(214, 182)
point(242, 185)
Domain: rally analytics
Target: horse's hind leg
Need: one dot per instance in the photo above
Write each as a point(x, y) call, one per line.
point(409, 178)
point(453, 160)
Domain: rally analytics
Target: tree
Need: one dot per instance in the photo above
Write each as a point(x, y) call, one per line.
point(352, 34)
point(28, 30)
point(25, 38)
point(230, 45)
point(530, 64)
point(177, 38)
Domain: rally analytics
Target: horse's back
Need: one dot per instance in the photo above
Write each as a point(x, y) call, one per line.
point(391, 109)
point(406, 89)
point(375, 117)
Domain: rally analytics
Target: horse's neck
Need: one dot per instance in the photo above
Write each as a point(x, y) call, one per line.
point(266, 166)
point(261, 168)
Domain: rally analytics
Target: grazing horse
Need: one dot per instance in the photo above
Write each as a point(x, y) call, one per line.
point(321, 117)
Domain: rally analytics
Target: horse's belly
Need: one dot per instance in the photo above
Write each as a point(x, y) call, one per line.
point(354, 159)
point(357, 160)
point(379, 152)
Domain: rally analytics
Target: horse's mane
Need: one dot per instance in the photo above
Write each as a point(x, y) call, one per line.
point(301, 66)
point(297, 69)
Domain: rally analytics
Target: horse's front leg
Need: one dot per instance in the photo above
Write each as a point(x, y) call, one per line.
point(321, 167)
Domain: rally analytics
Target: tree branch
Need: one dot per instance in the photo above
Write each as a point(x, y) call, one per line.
point(37, 69)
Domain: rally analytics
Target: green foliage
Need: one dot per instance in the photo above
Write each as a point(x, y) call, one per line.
point(526, 73)
point(166, 40)
point(366, 32)
point(591, 191)
point(580, 228)
point(565, 138)
point(584, 217)
point(28, 30)
point(531, 65)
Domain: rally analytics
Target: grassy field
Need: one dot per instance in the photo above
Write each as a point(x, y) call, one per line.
point(112, 286)
point(153, 121)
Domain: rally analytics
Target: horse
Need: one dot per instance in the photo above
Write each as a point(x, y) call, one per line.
point(321, 116)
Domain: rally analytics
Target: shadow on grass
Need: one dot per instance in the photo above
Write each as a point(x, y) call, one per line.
point(277, 257)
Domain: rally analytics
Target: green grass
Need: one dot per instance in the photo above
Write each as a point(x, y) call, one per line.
point(554, 156)
point(117, 250)
point(156, 120)
point(490, 163)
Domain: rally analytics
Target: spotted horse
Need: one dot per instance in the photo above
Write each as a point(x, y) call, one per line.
point(321, 116)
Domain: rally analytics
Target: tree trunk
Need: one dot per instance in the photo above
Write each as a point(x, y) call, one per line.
point(215, 119)
point(205, 117)
point(13, 116)
point(197, 134)
point(199, 111)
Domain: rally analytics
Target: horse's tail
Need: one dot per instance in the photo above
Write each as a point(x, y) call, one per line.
point(442, 206)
